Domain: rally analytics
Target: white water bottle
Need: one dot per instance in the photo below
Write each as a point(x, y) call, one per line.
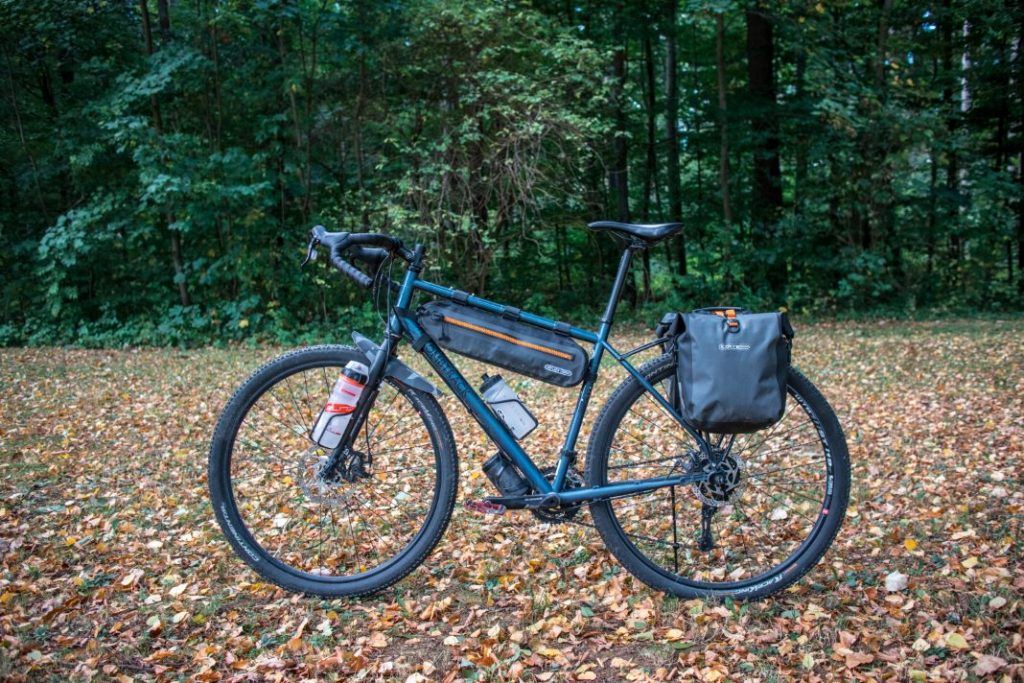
point(342, 402)
point(507, 406)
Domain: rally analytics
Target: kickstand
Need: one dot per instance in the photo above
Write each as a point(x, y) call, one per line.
point(707, 541)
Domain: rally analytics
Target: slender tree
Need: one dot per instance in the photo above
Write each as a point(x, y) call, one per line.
point(672, 178)
point(723, 135)
point(766, 201)
point(164, 18)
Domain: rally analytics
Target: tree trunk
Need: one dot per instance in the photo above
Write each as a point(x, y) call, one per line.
point(1020, 158)
point(933, 215)
point(952, 124)
point(882, 194)
point(767, 196)
point(620, 172)
point(800, 172)
point(723, 160)
point(675, 201)
point(650, 102)
point(766, 203)
point(21, 135)
point(165, 33)
point(650, 165)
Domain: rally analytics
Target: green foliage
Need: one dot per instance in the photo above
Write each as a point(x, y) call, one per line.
point(162, 196)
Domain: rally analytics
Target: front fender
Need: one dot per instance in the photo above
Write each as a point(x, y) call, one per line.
point(396, 369)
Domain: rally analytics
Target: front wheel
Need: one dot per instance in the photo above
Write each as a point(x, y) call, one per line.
point(765, 518)
point(357, 533)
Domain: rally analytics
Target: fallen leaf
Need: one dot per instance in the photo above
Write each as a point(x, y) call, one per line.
point(988, 664)
point(956, 641)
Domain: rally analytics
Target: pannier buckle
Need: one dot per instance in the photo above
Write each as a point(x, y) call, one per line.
point(732, 324)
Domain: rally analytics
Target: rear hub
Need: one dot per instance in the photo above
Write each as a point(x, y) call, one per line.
point(724, 472)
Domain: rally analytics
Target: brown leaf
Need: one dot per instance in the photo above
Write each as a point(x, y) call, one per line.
point(988, 664)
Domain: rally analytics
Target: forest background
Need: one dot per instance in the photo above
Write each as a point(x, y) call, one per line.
point(162, 161)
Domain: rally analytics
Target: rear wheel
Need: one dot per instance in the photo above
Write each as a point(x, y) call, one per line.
point(363, 530)
point(769, 513)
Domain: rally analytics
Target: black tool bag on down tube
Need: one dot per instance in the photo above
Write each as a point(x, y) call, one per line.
point(732, 367)
point(505, 342)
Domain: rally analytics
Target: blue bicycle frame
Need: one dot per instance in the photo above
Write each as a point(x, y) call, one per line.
point(402, 324)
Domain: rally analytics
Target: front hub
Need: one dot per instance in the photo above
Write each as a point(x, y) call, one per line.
point(324, 484)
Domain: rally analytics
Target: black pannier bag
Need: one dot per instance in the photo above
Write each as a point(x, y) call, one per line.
point(733, 367)
point(497, 340)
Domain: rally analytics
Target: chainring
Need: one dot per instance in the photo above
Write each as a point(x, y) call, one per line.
point(564, 513)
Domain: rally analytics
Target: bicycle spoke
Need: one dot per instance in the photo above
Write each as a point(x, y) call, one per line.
point(748, 538)
point(363, 523)
point(783, 450)
point(779, 469)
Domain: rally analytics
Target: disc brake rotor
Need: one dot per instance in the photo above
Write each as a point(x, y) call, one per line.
point(317, 489)
point(724, 480)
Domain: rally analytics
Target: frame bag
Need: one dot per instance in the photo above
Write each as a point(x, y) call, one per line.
point(505, 342)
point(733, 367)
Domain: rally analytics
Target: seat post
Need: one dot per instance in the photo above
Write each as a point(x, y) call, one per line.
point(620, 281)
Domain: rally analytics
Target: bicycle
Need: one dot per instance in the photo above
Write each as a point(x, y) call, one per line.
point(685, 511)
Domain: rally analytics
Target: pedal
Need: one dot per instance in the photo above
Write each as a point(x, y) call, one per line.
point(485, 507)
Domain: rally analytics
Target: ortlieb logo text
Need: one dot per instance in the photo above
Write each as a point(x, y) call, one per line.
point(734, 347)
point(557, 370)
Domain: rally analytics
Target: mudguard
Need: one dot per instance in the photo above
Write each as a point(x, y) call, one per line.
point(396, 368)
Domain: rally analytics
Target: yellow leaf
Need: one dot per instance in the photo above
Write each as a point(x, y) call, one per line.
point(807, 662)
point(910, 544)
point(956, 641)
point(970, 562)
point(674, 634)
point(548, 652)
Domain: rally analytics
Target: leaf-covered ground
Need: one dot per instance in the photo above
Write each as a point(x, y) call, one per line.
point(112, 565)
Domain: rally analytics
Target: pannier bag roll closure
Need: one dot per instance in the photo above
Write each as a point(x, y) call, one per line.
point(498, 340)
point(733, 368)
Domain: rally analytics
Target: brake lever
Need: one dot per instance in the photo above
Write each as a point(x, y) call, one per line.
point(311, 254)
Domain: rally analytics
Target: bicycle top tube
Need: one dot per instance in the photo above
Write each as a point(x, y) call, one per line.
point(502, 309)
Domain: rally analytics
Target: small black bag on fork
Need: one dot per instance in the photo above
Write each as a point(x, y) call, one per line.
point(732, 369)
